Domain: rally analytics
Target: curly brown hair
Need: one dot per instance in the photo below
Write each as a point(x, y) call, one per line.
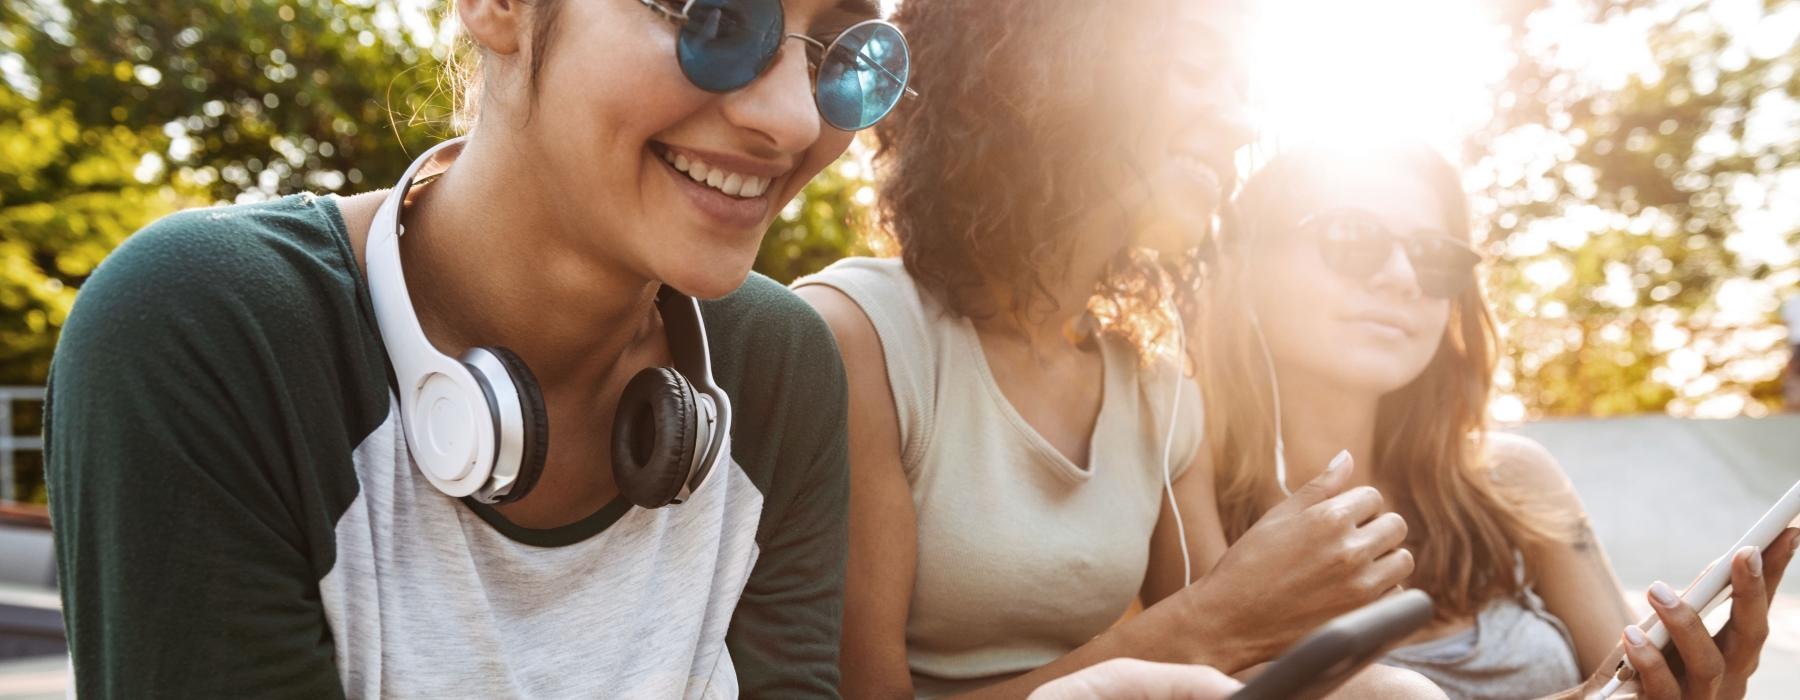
point(1027, 114)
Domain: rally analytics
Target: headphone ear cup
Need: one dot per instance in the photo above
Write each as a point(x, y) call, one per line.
point(536, 420)
point(653, 437)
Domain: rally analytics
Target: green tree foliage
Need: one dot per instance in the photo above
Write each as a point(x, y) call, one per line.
point(1633, 192)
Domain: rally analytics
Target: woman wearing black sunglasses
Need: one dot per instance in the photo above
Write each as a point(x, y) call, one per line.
point(1345, 317)
point(245, 466)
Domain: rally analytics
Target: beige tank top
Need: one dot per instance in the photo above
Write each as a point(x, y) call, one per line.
point(1022, 555)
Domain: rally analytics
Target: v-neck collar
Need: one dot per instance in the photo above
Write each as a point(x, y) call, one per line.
point(1060, 463)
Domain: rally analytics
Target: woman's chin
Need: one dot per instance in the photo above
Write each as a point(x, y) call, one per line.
point(1176, 235)
point(703, 281)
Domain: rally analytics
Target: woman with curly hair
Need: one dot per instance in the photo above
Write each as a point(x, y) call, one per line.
point(1015, 413)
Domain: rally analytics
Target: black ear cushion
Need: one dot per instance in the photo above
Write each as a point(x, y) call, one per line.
point(653, 437)
point(536, 420)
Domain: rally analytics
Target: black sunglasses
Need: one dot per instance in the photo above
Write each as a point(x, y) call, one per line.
point(726, 44)
point(1355, 244)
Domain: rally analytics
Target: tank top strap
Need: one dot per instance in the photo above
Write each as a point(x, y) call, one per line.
point(916, 335)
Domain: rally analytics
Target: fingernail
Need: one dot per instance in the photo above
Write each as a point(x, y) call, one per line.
point(1339, 462)
point(1755, 562)
point(1794, 544)
point(1663, 595)
point(1635, 636)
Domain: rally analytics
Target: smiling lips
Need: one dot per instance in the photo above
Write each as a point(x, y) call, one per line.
point(730, 183)
point(1394, 322)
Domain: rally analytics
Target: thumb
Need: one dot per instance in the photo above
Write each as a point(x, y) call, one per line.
point(1329, 483)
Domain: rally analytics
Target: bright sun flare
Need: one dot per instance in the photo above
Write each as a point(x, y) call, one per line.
point(1348, 71)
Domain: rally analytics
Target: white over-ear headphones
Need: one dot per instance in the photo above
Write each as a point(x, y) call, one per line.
point(477, 425)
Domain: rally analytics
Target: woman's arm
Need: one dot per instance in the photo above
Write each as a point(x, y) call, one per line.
point(883, 537)
point(199, 432)
point(1572, 575)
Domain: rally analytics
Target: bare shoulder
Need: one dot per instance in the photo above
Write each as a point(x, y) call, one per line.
point(856, 336)
point(359, 214)
point(1519, 462)
point(1528, 475)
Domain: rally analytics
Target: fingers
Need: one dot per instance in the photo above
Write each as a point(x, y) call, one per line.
point(1653, 673)
point(1776, 556)
point(1742, 639)
point(1390, 570)
point(1352, 508)
point(1328, 483)
point(1382, 535)
point(1704, 665)
point(1119, 679)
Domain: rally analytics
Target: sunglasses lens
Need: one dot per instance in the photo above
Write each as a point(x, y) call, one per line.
point(862, 76)
point(1352, 247)
point(1444, 268)
point(725, 44)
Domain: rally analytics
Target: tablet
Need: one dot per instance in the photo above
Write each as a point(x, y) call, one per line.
point(1326, 658)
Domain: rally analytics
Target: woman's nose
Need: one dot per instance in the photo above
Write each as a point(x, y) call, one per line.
point(778, 105)
point(1397, 275)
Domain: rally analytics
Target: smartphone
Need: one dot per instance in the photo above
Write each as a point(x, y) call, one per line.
point(1333, 653)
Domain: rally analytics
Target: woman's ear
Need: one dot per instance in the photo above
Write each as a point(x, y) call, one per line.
point(495, 25)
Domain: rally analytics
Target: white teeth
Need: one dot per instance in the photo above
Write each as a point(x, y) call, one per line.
point(730, 183)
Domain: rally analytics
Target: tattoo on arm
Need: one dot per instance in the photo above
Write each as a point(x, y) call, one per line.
point(1587, 546)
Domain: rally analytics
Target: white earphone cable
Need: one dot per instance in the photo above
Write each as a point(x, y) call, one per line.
point(1262, 343)
point(1187, 565)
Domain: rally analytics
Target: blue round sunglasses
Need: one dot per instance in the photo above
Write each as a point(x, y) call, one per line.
point(725, 44)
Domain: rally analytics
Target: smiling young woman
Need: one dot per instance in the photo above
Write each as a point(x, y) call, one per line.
point(272, 476)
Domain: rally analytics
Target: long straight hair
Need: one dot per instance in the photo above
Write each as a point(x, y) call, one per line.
point(1429, 435)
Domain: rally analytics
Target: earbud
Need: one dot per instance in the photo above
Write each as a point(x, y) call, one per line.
point(1262, 343)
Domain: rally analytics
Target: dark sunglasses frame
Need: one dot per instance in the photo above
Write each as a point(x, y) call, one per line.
point(1444, 267)
point(682, 18)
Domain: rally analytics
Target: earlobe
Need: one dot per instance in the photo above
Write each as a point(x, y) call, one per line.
point(494, 25)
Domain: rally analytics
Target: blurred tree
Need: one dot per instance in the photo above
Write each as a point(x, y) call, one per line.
point(1631, 184)
point(113, 114)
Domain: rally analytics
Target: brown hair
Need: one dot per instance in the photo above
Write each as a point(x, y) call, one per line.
point(462, 68)
point(1022, 132)
point(1429, 435)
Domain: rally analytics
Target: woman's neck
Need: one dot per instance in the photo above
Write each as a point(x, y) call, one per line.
point(1042, 323)
point(1318, 420)
point(492, 263)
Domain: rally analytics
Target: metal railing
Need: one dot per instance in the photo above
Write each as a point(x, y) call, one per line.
point(11, 444)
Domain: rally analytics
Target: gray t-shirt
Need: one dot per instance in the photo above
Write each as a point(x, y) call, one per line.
point(237, 514)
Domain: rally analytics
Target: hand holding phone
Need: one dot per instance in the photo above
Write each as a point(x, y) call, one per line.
point(1645, 642)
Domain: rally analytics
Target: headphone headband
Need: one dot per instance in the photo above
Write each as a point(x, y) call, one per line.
point(437, 416)
point(693, 358)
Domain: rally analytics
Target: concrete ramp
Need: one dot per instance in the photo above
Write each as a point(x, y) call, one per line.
point(1668, 495)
